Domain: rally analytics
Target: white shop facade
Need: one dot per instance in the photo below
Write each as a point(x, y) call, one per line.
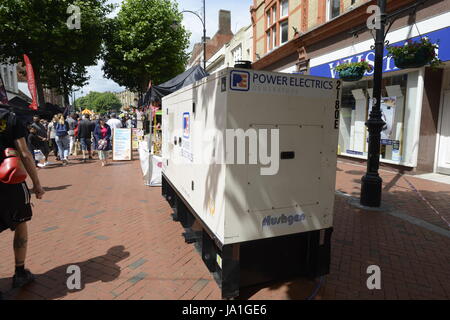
point(415, 103)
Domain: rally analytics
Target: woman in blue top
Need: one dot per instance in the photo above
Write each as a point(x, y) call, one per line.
point(102, 134)
point(62, 138)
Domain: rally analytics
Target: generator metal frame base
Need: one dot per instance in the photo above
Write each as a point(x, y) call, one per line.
point(244, 264)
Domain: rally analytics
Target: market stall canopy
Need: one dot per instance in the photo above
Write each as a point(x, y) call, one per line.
point(25, 114)
point(87, 111)
point(155, 93)
point(19, 102)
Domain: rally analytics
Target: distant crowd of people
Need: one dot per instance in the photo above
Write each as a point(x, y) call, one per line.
point(19, 145)
point(62, 135)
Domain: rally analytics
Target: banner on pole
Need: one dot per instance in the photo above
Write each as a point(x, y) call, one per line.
point(31, 82)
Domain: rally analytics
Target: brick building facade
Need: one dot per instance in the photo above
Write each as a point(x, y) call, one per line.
point(222, 36)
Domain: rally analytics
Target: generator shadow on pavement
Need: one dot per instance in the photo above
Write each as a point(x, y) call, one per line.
point(54, 284)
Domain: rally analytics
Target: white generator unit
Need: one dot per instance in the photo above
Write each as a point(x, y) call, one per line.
point(249, 165)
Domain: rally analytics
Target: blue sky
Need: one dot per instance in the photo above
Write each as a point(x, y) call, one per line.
point(240, 17)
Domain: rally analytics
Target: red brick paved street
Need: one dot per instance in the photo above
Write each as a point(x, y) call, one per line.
point(120, 233)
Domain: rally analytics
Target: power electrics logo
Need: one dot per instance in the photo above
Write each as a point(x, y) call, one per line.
point(240, 80)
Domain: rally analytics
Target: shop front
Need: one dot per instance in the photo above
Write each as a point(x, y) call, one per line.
point(443, 150)
point(410, 101)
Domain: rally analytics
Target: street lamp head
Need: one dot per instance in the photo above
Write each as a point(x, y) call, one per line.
point(175, 25)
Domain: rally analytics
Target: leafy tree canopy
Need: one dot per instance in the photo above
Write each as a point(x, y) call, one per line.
point(99, 102)
point(145, 42)
point(59, 54)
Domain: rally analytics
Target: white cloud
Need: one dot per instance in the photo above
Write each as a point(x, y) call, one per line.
point(240, 17)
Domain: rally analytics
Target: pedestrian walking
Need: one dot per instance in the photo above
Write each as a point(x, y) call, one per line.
point(33, 143)
point(44, 123)
point(72, 120)
point(102, 133)
point(94, 122)
point(85, 129)
point(42, 134)
point(14, 194)
point(129, 123)
point(63, 139)
point(114, 123)
point(51, 135)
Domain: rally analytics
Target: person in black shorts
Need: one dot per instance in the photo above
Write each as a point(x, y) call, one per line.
point(85, 130)
point(15, 198)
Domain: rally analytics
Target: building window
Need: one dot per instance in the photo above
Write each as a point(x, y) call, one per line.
point(333, 9)
point(274, 37)
point(284, 31)
point(284, 8)
point(237, 53)
point(268, 18)
point(268, 40)
point(274, 12)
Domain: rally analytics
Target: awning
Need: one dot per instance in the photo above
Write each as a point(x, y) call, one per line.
point(155, 93)
point(87, 111)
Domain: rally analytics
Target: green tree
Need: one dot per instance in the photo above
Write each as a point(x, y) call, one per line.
point(144, 43)
point(87, 102)
point(99, 102)
point(106, 102)
point(59, 54)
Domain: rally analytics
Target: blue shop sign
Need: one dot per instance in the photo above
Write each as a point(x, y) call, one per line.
point(442, 36)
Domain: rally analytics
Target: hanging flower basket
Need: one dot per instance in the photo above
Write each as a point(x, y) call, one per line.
point(353, 71)
point(415, 54)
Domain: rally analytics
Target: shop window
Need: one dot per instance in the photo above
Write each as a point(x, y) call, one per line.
point(356, 106)
point(284, 8)
point(333, 9)
point(284, 32)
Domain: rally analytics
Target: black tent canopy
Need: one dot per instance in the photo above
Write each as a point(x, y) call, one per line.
point(155, 93)
point(25, 114)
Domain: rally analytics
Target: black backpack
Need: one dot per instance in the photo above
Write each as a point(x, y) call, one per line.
point(7, 122)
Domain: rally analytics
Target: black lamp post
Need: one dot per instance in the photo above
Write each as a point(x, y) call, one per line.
point(372, 183)
point(204, 30)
